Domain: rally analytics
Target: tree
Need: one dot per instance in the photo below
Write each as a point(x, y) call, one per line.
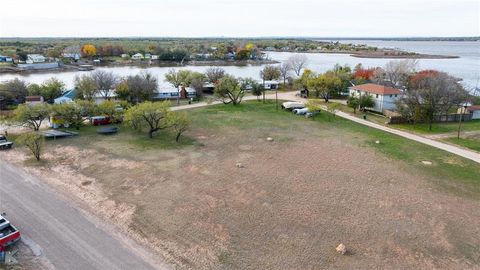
point(313, 106)
point(13, 90)
point(214, 74)
point(269, 73)
point(366, 101)
point(153, 116)
point(111, 110)
point(137, 88)
point(86, 87)
point(249, 83)
point(304, 80)
point(285, 69)
point(229, 90)
point(353, 102)
point(51, 89)
point(396, 73)
point(431, 94)
point(88, 50)
point(34, 142)
point(71, 113)
point(197, 81)
point(105, 82)
point(297, 62)
point(32, 116)
point(180, 123)
point(178, 78)
point(324, 85)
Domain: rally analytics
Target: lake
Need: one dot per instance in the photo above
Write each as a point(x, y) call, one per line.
point(467, 67)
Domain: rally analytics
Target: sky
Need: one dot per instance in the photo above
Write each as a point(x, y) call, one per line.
point(239, 18)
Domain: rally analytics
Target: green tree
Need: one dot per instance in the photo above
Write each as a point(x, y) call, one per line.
point(366, 101)
point(137, 88)
point(153, 116)
point(15, 90)
point(269, 73)
point(111, 109)
point(71, 113)
point(353, 102)
point(324, 85)
point(180, 122)
point(178, 78)
point(86, 87)
point(34, 142)
point(229, 91)
point(51, 89)
point(32, 116)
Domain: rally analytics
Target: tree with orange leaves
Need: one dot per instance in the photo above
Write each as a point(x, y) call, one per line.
point(88, 50)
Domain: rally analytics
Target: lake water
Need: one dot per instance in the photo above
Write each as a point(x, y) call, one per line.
point(466, 67)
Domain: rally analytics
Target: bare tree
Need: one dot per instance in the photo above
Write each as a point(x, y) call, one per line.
point(105, 81)
point(285, 69)
point(214, 74)
point(297, 62)
point(396, 73)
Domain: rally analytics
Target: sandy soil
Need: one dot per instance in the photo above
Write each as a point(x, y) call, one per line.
point(292, 203)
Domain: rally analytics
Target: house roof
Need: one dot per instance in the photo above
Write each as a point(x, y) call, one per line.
point(33, 98)
point(376, 89)
point(474, 108)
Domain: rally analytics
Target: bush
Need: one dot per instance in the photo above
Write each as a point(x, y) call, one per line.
point(34, 142)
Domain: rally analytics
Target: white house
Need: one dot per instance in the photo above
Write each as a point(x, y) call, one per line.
point(35, 58)
point(472, 109)
point(137, 56)
point(154, 57)
point(270, 85)
point(124, 55)
point(383, 96)
point(74, 56)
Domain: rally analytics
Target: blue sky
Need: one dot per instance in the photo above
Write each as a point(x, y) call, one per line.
point(239, 18)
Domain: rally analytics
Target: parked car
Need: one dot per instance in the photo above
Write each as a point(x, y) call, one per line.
point(100, 120)
point(290, 105)
point(300, 111)
point(311, 114)
point(8, 234)
point(4, 143)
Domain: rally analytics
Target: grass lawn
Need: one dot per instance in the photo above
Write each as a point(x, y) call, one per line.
point(470, 142)
point(439, 127)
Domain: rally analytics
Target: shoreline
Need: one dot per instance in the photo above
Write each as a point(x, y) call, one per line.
point(69, 67)
point(379, 54)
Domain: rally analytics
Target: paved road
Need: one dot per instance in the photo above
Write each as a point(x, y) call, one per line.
point(443, 146)
point(67, 238)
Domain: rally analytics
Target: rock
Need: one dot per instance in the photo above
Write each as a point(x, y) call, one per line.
point(270, 139)
point(426, 162)
point(377, 142)
point(342, 249)
point(239, 165)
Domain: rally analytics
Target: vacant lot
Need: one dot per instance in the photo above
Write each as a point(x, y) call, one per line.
point(318, 184)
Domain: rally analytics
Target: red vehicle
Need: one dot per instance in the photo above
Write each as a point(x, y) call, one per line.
point(100, 120)
point(8, 234)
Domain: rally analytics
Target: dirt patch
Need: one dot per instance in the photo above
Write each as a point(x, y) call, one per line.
point(292, 203)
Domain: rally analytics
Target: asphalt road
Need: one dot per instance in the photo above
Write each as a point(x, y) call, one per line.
point(65, 235)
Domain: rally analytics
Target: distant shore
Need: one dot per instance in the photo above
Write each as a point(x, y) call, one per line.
point(140, 64)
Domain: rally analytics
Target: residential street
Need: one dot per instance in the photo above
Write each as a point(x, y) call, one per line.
point(63, 234)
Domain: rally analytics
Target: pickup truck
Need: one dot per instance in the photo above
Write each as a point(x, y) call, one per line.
point(8, 234)
point(4, 143)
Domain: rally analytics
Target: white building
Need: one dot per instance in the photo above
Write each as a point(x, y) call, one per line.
point(137, 56)
point(472, 109)
point(383, 96)
point(35, 58)
point(270, 85)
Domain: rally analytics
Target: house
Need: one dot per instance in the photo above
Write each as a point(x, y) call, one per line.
point(137, 56)
point(474, 110)
point(35, 58)
point(67, 97)
point(5, 58)
point(383, 96)
point(34, 100)
point(124, 55)
point(73, 56)
point(270, 85)
point(154, 57)
point(147, 56)
point(172, 93)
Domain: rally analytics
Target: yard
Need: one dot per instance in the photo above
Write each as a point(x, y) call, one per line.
point(226, 198)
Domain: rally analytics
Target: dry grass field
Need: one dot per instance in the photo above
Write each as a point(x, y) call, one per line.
point(290, 203)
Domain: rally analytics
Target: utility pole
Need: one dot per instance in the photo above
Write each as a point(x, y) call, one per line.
point(461, 119)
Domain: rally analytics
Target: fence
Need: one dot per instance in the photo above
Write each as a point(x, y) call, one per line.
point(395, 118)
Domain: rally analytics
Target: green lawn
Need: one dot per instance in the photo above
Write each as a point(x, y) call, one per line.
point(439, 127)
point(471, 143)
